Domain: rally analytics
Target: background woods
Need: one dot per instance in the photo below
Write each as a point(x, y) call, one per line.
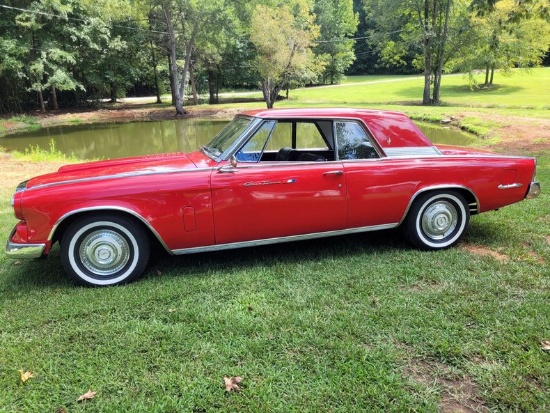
point(71, 53)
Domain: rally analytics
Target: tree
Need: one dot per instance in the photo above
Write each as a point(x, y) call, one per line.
point(283, 38)
point(336, 20)
point(185, 22)
point(507, 35)
point(50, 58)
point(431, 30)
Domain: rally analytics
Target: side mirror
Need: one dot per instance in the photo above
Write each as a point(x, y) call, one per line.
point(233, 161)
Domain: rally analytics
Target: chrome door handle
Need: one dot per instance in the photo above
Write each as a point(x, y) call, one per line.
point(338, 172)
point(226, 169)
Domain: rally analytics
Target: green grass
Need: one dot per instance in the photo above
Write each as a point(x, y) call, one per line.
point(523, 90)
point(355, 323)
point(37, 154)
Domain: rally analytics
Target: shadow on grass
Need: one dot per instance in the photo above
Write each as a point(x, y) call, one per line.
point(291, 253)
point(48, 273)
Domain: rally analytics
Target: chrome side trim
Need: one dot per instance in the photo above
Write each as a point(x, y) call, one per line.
point(279, 240)
point(412, 151)
point(534, 190)
point(510, 186)
point(23, 251)
point(435, 188)
point(121, 175)
point(107, 209)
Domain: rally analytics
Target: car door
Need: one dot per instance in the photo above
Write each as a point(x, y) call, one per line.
point(379, 189)
point(258, 199)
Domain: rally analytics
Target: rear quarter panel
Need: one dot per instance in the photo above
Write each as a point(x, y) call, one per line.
point(380, 191)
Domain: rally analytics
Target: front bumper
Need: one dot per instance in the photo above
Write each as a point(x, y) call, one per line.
point(534, 190)
point(18, 250)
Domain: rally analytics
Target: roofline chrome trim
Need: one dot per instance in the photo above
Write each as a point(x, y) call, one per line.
point(107, 208)
point(116, 176)
point(436, 188)
point(278, 240)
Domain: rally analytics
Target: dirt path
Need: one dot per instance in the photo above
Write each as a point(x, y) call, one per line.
point(516, 135)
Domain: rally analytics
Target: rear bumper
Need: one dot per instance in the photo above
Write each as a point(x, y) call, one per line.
point(534, 190)
point(18, 250)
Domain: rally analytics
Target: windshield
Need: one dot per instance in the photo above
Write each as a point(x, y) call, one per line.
point(227, 136)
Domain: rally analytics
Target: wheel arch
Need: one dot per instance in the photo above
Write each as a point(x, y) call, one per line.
point(467, 193)
point(66, 220)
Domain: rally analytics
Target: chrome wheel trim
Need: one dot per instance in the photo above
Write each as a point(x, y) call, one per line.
point(85, 270)
point(439, 220)
point(444, 232)
point(104, 252)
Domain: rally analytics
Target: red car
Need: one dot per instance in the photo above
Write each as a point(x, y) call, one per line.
point(269, 176)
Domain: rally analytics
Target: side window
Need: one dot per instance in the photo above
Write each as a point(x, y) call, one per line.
point(281, 137)
point(352, 141)
point(308, 136)
point(253, 149)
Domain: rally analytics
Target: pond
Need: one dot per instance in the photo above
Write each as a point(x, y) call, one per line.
point(108, 141)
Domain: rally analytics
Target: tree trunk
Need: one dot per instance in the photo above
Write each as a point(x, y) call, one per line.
point(441, 54)
point(212, 89)
point(113, 92)
point(270, 92)
point(427, 54)
point(178, 100)
point(487, 69)
point(155, 71)
point(54, 99)
point(193, 86)
point(188, 52)
point(492, 75)
point(41, 99)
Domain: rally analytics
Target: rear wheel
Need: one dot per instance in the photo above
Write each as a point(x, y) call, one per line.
point(103, 250)
point(437, 220)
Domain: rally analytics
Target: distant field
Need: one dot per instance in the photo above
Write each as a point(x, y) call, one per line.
point(525, 89)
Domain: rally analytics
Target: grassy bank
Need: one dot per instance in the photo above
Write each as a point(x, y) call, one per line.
point(355, 323)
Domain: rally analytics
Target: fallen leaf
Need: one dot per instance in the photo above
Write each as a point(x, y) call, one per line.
point(87, 396)
point(232, 383)
point(545, 345)
point(17, 262)
point(25, 375)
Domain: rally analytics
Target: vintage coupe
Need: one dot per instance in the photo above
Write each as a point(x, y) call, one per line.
point(269, 176)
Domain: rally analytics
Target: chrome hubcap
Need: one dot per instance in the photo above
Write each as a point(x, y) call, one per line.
point(439, 220)
point(104, 252)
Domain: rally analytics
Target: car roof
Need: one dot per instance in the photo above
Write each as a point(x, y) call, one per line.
point(322, 113)
point(391, 129)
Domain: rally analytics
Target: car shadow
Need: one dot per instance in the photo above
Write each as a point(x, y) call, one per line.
point(194, 265)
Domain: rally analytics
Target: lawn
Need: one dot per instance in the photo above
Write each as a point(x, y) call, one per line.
point(354, 323)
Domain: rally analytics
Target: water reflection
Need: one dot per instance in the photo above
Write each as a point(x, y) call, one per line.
point(108, 141)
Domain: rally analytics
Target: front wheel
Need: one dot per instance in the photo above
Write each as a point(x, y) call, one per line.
point(437, 220)
point(102, 250)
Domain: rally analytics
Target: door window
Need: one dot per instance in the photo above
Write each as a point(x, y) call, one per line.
point(353, 142)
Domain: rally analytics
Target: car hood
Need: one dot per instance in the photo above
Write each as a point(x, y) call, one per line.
point(116, 167)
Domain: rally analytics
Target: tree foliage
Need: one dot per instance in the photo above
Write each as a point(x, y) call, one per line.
point(62, 53)
point(283, 38)
point(505, 36)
